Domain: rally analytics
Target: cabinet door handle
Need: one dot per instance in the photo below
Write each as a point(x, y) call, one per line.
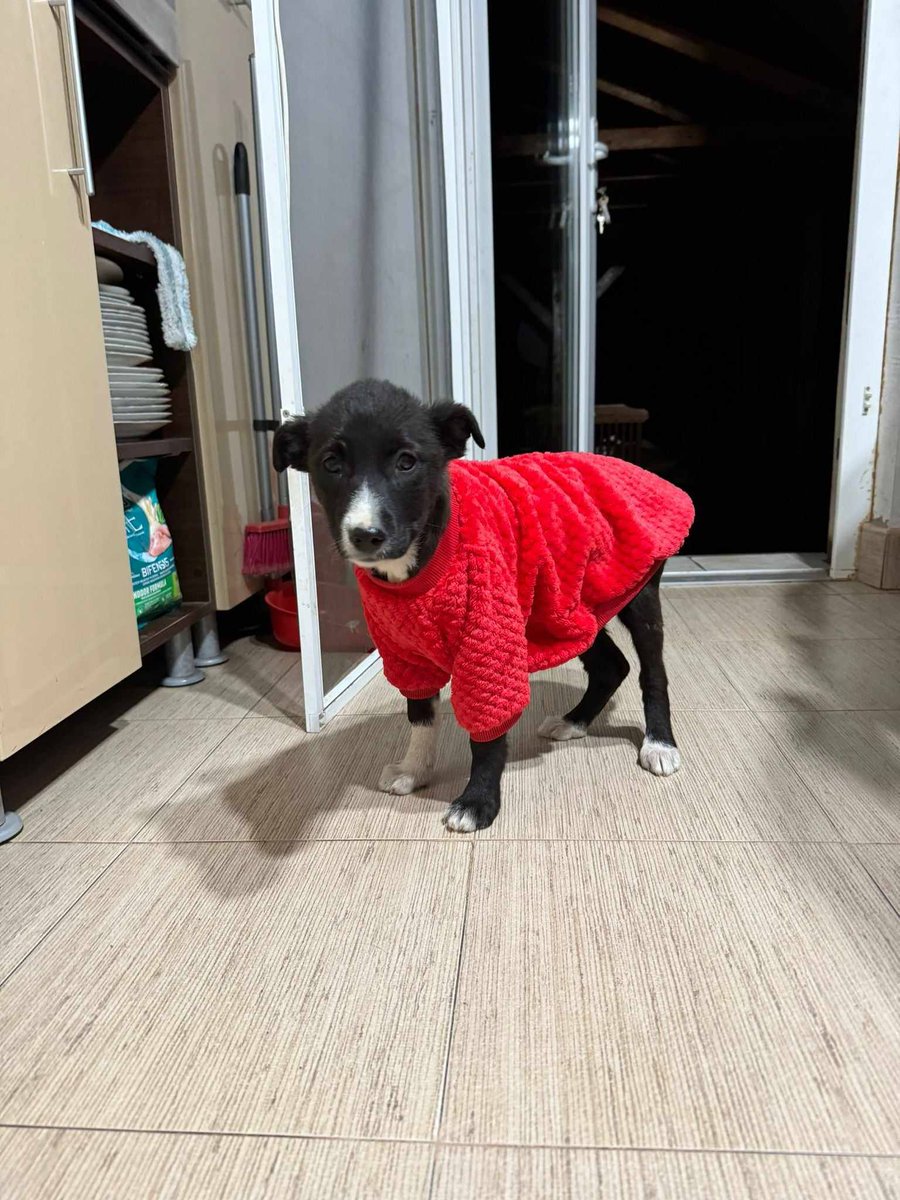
point(86, 168)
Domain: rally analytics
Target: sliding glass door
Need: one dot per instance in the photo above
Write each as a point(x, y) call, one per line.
point(340, 90)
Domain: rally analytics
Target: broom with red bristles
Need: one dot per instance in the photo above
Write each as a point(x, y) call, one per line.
point(267, 543)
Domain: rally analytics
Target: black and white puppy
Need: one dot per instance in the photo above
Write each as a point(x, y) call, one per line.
point(377, 459)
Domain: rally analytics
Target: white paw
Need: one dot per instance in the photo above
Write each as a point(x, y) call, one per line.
point(401, 780)
point(558, 729)
point(460, 820)
point(659, 758)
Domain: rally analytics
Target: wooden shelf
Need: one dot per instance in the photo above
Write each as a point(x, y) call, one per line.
point(160, 631)
point(153, 448)
point(126, 254)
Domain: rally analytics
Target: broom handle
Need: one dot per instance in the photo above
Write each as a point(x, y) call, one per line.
point(268, 308)
point(251, 321)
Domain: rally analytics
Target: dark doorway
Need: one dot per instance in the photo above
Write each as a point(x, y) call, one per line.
point(721, 275)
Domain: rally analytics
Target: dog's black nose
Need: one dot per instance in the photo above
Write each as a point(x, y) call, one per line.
point(367, 541)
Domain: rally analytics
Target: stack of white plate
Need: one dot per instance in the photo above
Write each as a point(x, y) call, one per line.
point(140, 395)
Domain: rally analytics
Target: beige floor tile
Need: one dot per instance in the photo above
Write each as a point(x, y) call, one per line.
point(301, 989)
point(850, 587)
point(232, 690)
point(101, 783)
point(285, 698)
point(37, 885)
point(850, 761)
point(725, 614)
point(880, 606)
point(717, 997)
point(696, 680)
point(270, 781)
point(883, 864)
point(734, 785)
point(481, 1173)
point(812, 674)
point(43, 1164)
point(380, 697)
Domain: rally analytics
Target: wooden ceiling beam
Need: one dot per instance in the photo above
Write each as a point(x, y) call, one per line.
point(735, 62)
point(683, 137)
point(638, 100)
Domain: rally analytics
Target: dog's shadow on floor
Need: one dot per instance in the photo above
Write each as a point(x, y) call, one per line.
point(325, 788)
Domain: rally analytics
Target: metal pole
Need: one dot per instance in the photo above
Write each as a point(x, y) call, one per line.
point(251, 321)
point(274, 385)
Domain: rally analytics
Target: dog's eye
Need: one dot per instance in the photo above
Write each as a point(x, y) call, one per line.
point(405, 462)
point(332, 464)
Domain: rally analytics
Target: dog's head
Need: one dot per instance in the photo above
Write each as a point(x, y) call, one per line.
point(377, 458)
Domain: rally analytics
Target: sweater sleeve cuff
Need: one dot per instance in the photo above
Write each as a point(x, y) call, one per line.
point(419, 693)
point(490, 735)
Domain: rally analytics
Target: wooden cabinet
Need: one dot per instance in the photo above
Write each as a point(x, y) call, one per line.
point(67, 625)
point(68, 629)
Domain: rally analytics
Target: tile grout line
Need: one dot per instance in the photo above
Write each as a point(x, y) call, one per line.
point(853, 847)
point(369, 1139)
point(454, 996)
point(50, 929)
point(497, 840)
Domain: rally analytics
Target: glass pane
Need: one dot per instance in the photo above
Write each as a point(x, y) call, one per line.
point(356, 238)
point(533, 110)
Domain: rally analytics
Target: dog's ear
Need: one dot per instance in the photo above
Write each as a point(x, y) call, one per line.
point(290, 446)
point(455, 424)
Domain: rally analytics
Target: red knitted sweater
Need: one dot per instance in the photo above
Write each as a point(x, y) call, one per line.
point(540, 551)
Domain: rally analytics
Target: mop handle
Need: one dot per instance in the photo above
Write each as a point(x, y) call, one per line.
point(251, 322)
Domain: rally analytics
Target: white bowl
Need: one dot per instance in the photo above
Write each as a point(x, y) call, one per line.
point(108, 272)
point(141, 414)
point(126, 320)
point(136, 429)
point(126, 358)
point(117, 304)
point(144, 397)
point(121, 346)
point(136, 374)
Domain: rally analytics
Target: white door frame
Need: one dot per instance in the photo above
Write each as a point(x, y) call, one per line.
point(319, 707)
point(868, 283)
point(462, 29)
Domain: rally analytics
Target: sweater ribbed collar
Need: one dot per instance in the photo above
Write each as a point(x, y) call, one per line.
point(434, 569)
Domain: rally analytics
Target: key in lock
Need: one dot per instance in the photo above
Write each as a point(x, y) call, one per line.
point(602, 214)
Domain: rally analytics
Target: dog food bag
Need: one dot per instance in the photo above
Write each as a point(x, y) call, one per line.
point(154, 580)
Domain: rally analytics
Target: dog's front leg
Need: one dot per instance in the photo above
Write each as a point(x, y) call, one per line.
point(417, 765)
point(479, 804)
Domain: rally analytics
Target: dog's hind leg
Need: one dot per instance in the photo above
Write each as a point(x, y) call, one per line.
point(417, 765)
point(644, 621)
point(606, 668)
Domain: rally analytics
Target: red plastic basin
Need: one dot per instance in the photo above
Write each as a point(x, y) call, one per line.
point(282, 602)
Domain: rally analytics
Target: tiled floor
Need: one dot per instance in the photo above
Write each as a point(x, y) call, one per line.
point(232, 968)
